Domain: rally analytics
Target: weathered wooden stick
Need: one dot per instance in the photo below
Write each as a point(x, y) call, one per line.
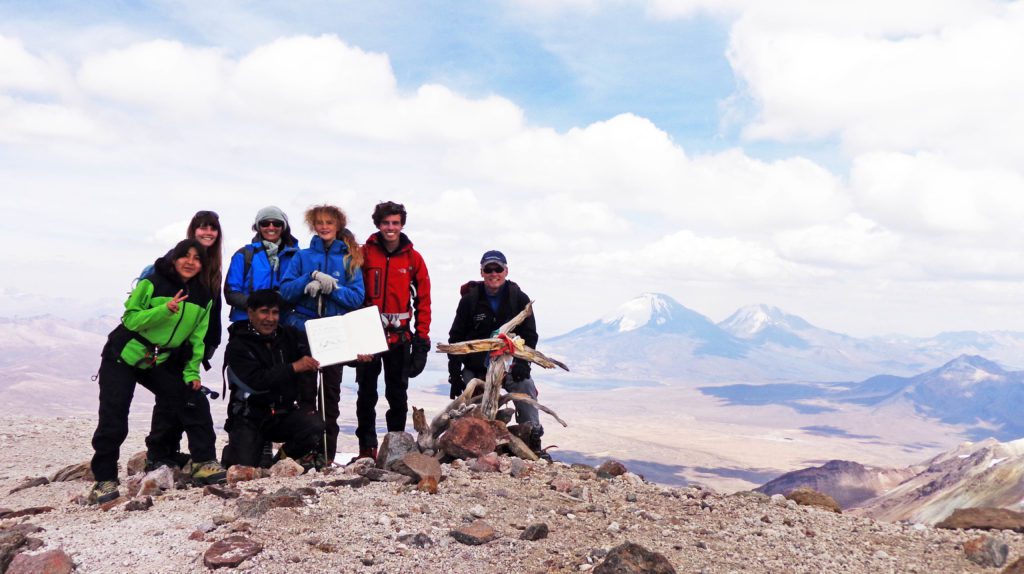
point(492, 388)
point(474, 346)
point(527, 399)
point(519, 448)
point(515, 321)
point(535, 356)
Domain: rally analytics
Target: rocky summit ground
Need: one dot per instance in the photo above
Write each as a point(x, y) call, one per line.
point(324, 525)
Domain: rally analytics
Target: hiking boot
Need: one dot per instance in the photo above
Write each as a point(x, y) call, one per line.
point(176, 461)
point(533, 442)
point(103, 491)
point(209, 472)
point(367, 452)
point(267, 455)
point(313, 460)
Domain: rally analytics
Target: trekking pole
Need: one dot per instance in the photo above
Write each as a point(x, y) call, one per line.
point(320, 387)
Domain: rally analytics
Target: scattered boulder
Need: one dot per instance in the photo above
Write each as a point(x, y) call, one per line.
point(258, 506)
point(986, 551)
point(381, 475)
point(221, 491)
point(489, 462)
point(479, 532)
point(157, 481)
point(80, 471)
point(428, 485)
point(418, 466)
point(197, 535)
point(393, 448)
point(141, 503)
point(286, 467)
point(137, 463)
point(27, 512)
point(50, 562)
point(561, 484)
point(419, 540)
point(535, 532)
point(808, 497)
point(630, 558)
point(238, 473)
point(611, 469)
point(10, 543)
point(231, 551)
point(357, 482)
point(30, 483)
point(468, 437)
point(984, 518)
point(519, 468)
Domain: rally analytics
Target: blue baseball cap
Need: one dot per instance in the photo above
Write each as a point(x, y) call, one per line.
point(493, 256)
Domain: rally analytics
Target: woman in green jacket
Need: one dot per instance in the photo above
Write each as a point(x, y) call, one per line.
point(159, 345)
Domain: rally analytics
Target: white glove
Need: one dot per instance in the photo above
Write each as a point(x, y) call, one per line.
point(312, 289)
point(327, 283)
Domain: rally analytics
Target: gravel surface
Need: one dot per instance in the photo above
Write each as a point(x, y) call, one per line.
point(382, 527)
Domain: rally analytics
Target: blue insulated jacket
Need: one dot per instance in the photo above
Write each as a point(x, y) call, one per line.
point(261, 275)
point(347, 297)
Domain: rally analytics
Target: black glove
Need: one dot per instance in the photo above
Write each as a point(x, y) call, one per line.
point(419, 348)
point(458, 385)
point(519, 371)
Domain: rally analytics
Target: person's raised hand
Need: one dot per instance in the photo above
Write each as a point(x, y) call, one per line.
point(174, 304)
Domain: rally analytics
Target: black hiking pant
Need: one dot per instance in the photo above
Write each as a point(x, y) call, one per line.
point(117, 382)
point(331, 377)
point(300, 431)
point(395, 364)
point(178, 408)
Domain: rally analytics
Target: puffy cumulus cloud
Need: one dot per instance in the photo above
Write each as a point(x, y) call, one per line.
point(160, 75)
point(20, 70)
point(878, 82)
point(684, 255)
point(925, 194)
point(856, 242)
point(627, 162)
point(22, 121)
point(302, 81)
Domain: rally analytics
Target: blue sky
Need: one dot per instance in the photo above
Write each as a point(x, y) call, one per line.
point(856, 165)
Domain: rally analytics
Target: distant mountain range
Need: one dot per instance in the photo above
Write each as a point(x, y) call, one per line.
point(986, 473)
point(654, 337)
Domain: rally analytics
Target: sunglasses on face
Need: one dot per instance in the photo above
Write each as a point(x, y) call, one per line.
point(493, 269)
point(271, 223)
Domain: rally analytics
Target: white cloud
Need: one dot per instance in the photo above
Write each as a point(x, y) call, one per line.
point(856, 242)
point(161, 75)
point(20, 121)
point(630, 164)
point(21, 70)
point(925, 194)
point(878, 82)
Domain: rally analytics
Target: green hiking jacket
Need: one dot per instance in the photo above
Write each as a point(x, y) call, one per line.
point(157, 334)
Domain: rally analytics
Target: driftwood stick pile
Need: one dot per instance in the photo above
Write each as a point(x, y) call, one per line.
point(486, 405)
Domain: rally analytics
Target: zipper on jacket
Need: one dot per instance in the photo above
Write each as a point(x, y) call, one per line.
point(176, 325)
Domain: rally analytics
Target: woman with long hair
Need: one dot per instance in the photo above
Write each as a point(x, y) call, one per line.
point(205, 228)
point(159, 344)
point(325, 280)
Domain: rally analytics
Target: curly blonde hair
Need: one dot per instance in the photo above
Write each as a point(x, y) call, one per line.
point(325, 211)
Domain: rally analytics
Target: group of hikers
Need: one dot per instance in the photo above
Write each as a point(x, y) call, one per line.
point(171, 328)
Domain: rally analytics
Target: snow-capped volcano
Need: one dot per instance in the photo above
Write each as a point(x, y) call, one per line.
point(753, 320)
point(652, 310)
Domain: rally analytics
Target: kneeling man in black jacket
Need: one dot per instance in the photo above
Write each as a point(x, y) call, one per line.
point(270, 372)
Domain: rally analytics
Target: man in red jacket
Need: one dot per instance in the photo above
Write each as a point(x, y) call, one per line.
point(396, 282)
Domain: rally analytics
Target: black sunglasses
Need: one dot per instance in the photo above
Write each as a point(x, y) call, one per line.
point(271, 223)
point(206, 214)
point(493, 269)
